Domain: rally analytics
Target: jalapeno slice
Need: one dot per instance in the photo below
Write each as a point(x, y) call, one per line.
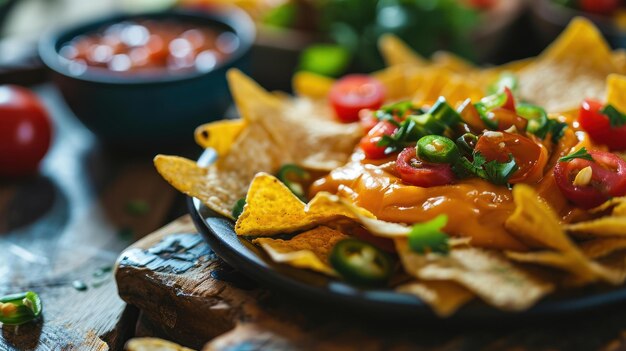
point(437, 149)
point(466, 143)
point(536, 116)
point(287, 173)
point(361, 263)
point(428, 237)
point(19, 308)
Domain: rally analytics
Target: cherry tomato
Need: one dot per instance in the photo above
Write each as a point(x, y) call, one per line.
point(608, 179)
point(603, 7)
point(25, 131)
point(414, 171)
point(499, 145)
point(354, 92)
point(368, 119)
point(369, 143)
point(597, 125)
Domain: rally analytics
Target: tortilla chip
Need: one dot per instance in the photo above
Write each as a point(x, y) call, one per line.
point(397, 52)
point(308, 250)
point(577, 63)
point(480, 271)
point(429, 84)
point(219, 135)
point(615, 92)
point(452, 62)
point(601, 227)
point(601, 247)
point(534, 223)
point(311, 85)
point(619, 58)
point(444, 297)
point(152, 344)
point(616, 204)
point(309, 137)
point(271, 208)
point(393, 78)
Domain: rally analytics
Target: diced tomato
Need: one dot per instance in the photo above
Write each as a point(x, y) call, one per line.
point(470, 115)
point(499, 145)
point(603, 7)
point(414, 171)
point(369, 143)
point(608, 179)
point(597, 125)
point(355, 92)
point(507, 118)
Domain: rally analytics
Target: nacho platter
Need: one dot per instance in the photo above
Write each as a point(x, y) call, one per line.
point(456, 186)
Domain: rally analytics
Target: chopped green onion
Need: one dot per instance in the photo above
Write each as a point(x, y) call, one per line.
point(581, 153)
point(506, 79)
point(438, 119)
point(616, 118)
point(361, 263)
point(238, 209)
point(19, 308)
point(290, 171)
point(427, 237)
point(466, 143)
point(437, 149)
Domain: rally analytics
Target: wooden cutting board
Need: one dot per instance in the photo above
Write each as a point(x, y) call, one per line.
point(188, 295)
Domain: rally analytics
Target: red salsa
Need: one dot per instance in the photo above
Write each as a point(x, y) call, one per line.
point(149, 47)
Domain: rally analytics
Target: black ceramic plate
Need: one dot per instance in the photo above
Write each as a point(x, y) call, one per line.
point(326, 292)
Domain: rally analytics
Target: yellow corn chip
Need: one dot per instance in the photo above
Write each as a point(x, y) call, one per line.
point(619, 58)
point(617, 204)
point(303, 132)
point(577, 63)
point(534, 223)
point(601, 227)
point(271, 208)
point(600, 247)
point(452, 62)
point(219, 135)
point(397, 52)
point(308, 250)
point(480, 271)
point(393, 78)
point(616, 91)
point(311, 85)
point(444, 297)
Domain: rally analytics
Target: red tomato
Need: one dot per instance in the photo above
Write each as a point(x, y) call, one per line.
point(416, 172)
point(368, 119)
point(603, 7)
point(470, 115)
point(608, 179)
point(25, 131)
point(598, 127)
point(354, 92)
point(498, 145)
point(507, 118)
point(369, 143)
point(482, 4)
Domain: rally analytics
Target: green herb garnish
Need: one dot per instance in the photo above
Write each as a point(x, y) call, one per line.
point(238, 209)
point(428, 237)
point(616, 118)
point(19, 308)
point(581, 153)
point(493, 171)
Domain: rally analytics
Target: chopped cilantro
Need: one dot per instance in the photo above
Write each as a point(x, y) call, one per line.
point(238, 209)
point(616, 118)
point(581, 153)
point(428, 237)
point(493, 171)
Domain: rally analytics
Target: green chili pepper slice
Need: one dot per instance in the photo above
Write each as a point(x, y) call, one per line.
point(437, 149)
point(536, 116)
point(238, 208)
point(361, 263)
point(506, 79)
point(466, 143)
point(287, 173)
point(427, 237)
point(487, 104)
point(19, 308)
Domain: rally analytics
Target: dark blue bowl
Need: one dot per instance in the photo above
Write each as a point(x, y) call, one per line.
point(146, 110)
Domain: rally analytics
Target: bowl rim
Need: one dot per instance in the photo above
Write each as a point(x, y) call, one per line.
point(238, 21)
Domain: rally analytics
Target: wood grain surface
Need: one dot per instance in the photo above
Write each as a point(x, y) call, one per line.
point(66, 226)
point(188, 295)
